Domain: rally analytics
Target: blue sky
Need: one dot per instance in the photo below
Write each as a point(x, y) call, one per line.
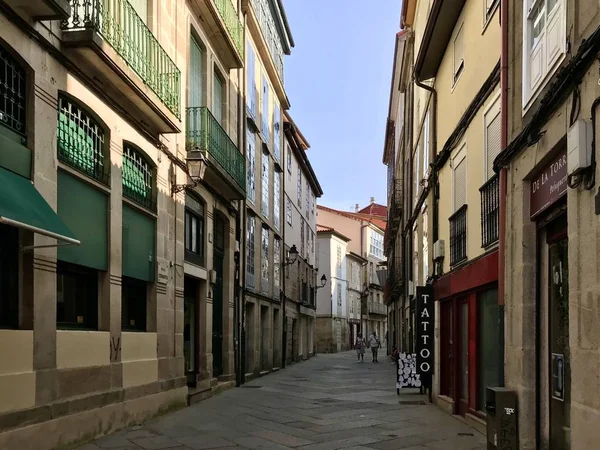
point(338, 81)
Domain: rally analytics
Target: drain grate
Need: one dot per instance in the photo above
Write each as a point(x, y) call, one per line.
point(466, 434)
point(413, 403)
point(251, 387)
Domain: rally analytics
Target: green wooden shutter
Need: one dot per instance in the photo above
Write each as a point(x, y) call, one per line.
point(85, 211)
point(139, 244)
point(196, 57)
point(218, 99)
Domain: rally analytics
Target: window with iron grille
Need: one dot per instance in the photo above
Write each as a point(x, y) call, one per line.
point(265, 185)
point(458, 236)
point(250, 277)
point(13, 93)
point(138, 178)
point(81, 141)
point(276, 266)
point(490, 208)
point(265, 260)
point(276, 200)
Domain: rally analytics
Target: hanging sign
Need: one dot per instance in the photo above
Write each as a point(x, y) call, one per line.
point(549, 185)
point(425, 328)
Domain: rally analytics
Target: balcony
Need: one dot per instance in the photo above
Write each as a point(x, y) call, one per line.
point(42, 9)
point(395, 203)
point(377, 308)
point(111, 43)
point(225, 29)
point(458, 236)
point(226, 170)
point(490, 207)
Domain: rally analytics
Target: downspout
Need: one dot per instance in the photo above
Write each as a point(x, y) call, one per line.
point(502, 189)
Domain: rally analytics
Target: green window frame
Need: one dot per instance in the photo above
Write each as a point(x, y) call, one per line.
point(139, 178)
point(81, 141)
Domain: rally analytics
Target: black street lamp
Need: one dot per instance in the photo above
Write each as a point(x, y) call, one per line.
point(323, 282)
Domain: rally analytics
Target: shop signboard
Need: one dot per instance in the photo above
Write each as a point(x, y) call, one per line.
point(549, 185)
point(425, 333)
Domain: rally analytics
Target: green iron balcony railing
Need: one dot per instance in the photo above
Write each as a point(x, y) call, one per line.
point(125, 31)
point(205, 133)
point(232, 23)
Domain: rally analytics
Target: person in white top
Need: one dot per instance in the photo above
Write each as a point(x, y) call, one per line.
point(375, 345)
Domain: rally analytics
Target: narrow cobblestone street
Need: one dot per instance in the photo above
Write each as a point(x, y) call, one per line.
point(329, 402)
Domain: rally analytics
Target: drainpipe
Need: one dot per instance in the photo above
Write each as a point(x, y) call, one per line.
point(502, 188)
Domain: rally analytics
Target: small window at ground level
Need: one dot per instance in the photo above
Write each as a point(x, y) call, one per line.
point(9, 277)
point(76, 296)
point(133, 304)
point(13, 93)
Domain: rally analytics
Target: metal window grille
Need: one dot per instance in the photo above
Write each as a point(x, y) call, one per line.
point(250, 276)
point(81, 142)
point(138, 178)
point(265, 185)
point(12, 93)
point(276, 200)
point(276, 266)
point(490, 208)
point(458, 236)
point(265, 261)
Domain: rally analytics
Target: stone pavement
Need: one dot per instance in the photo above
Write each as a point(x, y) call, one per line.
point(327, 403)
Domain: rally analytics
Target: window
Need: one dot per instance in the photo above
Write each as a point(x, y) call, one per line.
point(289, 159)
point(194, 230)
point(460, 183)
point(196, 73)
point(307, 228)
point(13, 93)
point(492, 137)
point(288, 210)
point(250, 278)
point(133, 304)
point(338, 262)
point(265, 109)
point(425, 248)
point(138, 178)
point(218, 89)
point(459, 59)
point(76, 296)
point(489, 6)
point(251, 167)
point(299, 187)
point(277, 131)
point(9, 277)
point(301, 237)
point(265, 185)
point(339, 295)
point(276, 266)
point(80, 141)
point(544, 41)
point(265, 260)
point(251, 99)
point(312, 208)
point(307, 199)
point(426, 146)
point(276, 200)
point(417, 172)
point(376, 247)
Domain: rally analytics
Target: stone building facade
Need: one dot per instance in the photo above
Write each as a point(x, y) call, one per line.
point(92, 331)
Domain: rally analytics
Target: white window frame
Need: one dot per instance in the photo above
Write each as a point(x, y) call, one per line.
point(458, 69)
point(288, 210)
point(426, 144)
point(489, 114)
point(265, 185)
point(459, 158)
point(549, 63)
point(276, 199)
point(489, 9)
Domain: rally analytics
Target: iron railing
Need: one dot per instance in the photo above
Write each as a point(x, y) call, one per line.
point(125, 31)
point(233, 24)
point(490, 207)
point(205, 133)
point(458, 236)
point(138, 178)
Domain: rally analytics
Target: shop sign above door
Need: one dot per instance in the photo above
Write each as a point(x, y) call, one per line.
point(549, 185)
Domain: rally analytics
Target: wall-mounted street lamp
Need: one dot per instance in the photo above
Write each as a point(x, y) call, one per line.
point(323, 282)
point(291, 257)
point(196, 166)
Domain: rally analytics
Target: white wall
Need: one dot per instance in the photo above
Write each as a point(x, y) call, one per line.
point(339, 287)
point(324, 258)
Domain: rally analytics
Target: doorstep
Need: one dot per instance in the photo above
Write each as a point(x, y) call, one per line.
point(199, 394)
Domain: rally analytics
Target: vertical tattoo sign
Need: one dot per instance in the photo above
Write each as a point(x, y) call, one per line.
point(425, 327)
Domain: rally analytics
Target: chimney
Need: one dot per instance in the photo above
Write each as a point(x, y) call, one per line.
point(356, 208)
point(372, 200)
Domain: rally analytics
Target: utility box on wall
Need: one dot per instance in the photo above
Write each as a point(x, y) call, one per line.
point(501, 409)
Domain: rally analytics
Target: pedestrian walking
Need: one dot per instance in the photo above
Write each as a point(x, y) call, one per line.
point(375, 345)
point(359, 345)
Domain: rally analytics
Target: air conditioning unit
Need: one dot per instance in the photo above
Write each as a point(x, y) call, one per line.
point(439, 250)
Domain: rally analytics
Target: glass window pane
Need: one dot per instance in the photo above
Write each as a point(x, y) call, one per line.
point(194, 238)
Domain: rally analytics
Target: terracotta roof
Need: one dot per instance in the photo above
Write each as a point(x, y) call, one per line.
point(375, 209)
point(375, 220)
point(323, 228)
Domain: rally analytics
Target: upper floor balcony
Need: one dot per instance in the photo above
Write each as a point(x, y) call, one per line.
point(42, 9)
point(226, 166)
point(377, 308)
point(113, 45)
point(225, 28)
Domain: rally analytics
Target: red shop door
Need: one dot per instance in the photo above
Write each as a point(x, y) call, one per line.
point(447, 356)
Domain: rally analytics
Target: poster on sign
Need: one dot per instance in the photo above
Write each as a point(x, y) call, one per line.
point(407, 376)
point(425, 328)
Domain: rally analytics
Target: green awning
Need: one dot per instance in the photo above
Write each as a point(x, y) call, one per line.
point(22, 206)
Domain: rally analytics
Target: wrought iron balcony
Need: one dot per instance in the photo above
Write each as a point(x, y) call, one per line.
point(233, 24)
point(117, 34)
point(205, 133)
point(490, 207)
point(458, 236)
